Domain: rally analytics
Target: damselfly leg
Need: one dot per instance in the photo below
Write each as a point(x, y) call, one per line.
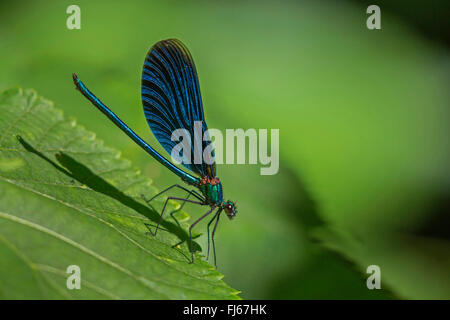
point(184, 200)
point(212, 236)
point(207, 229)
point(194, 192)
point(193, 225)
point(190, 192)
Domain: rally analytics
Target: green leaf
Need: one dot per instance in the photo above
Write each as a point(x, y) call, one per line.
point(66, 199)
point(413, 267)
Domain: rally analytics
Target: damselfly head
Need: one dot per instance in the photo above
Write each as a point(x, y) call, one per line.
point(230, 209)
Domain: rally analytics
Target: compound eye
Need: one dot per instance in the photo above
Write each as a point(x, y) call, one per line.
point(229, 208)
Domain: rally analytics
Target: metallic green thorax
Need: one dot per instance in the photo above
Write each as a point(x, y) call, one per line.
point(212, 192)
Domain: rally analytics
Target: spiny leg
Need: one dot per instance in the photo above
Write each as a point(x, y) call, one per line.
point(207, 229)
point(193, 192)
point(212, 237)
point(190, 192)
point(193, 225)
point(165, 204)
point(182, 205)
point(179, 209)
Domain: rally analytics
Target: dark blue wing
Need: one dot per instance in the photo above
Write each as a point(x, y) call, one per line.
point(171, 99)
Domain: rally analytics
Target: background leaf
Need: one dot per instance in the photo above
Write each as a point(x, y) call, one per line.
point(66, 199)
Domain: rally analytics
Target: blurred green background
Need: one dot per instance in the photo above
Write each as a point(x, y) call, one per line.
point(363, 118)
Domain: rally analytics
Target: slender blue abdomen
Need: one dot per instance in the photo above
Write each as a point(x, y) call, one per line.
point(119, 123)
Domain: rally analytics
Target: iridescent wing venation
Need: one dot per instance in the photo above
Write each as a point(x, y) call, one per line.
point(172, 100)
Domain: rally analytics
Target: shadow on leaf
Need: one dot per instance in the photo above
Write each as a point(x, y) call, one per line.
point(79, 172)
